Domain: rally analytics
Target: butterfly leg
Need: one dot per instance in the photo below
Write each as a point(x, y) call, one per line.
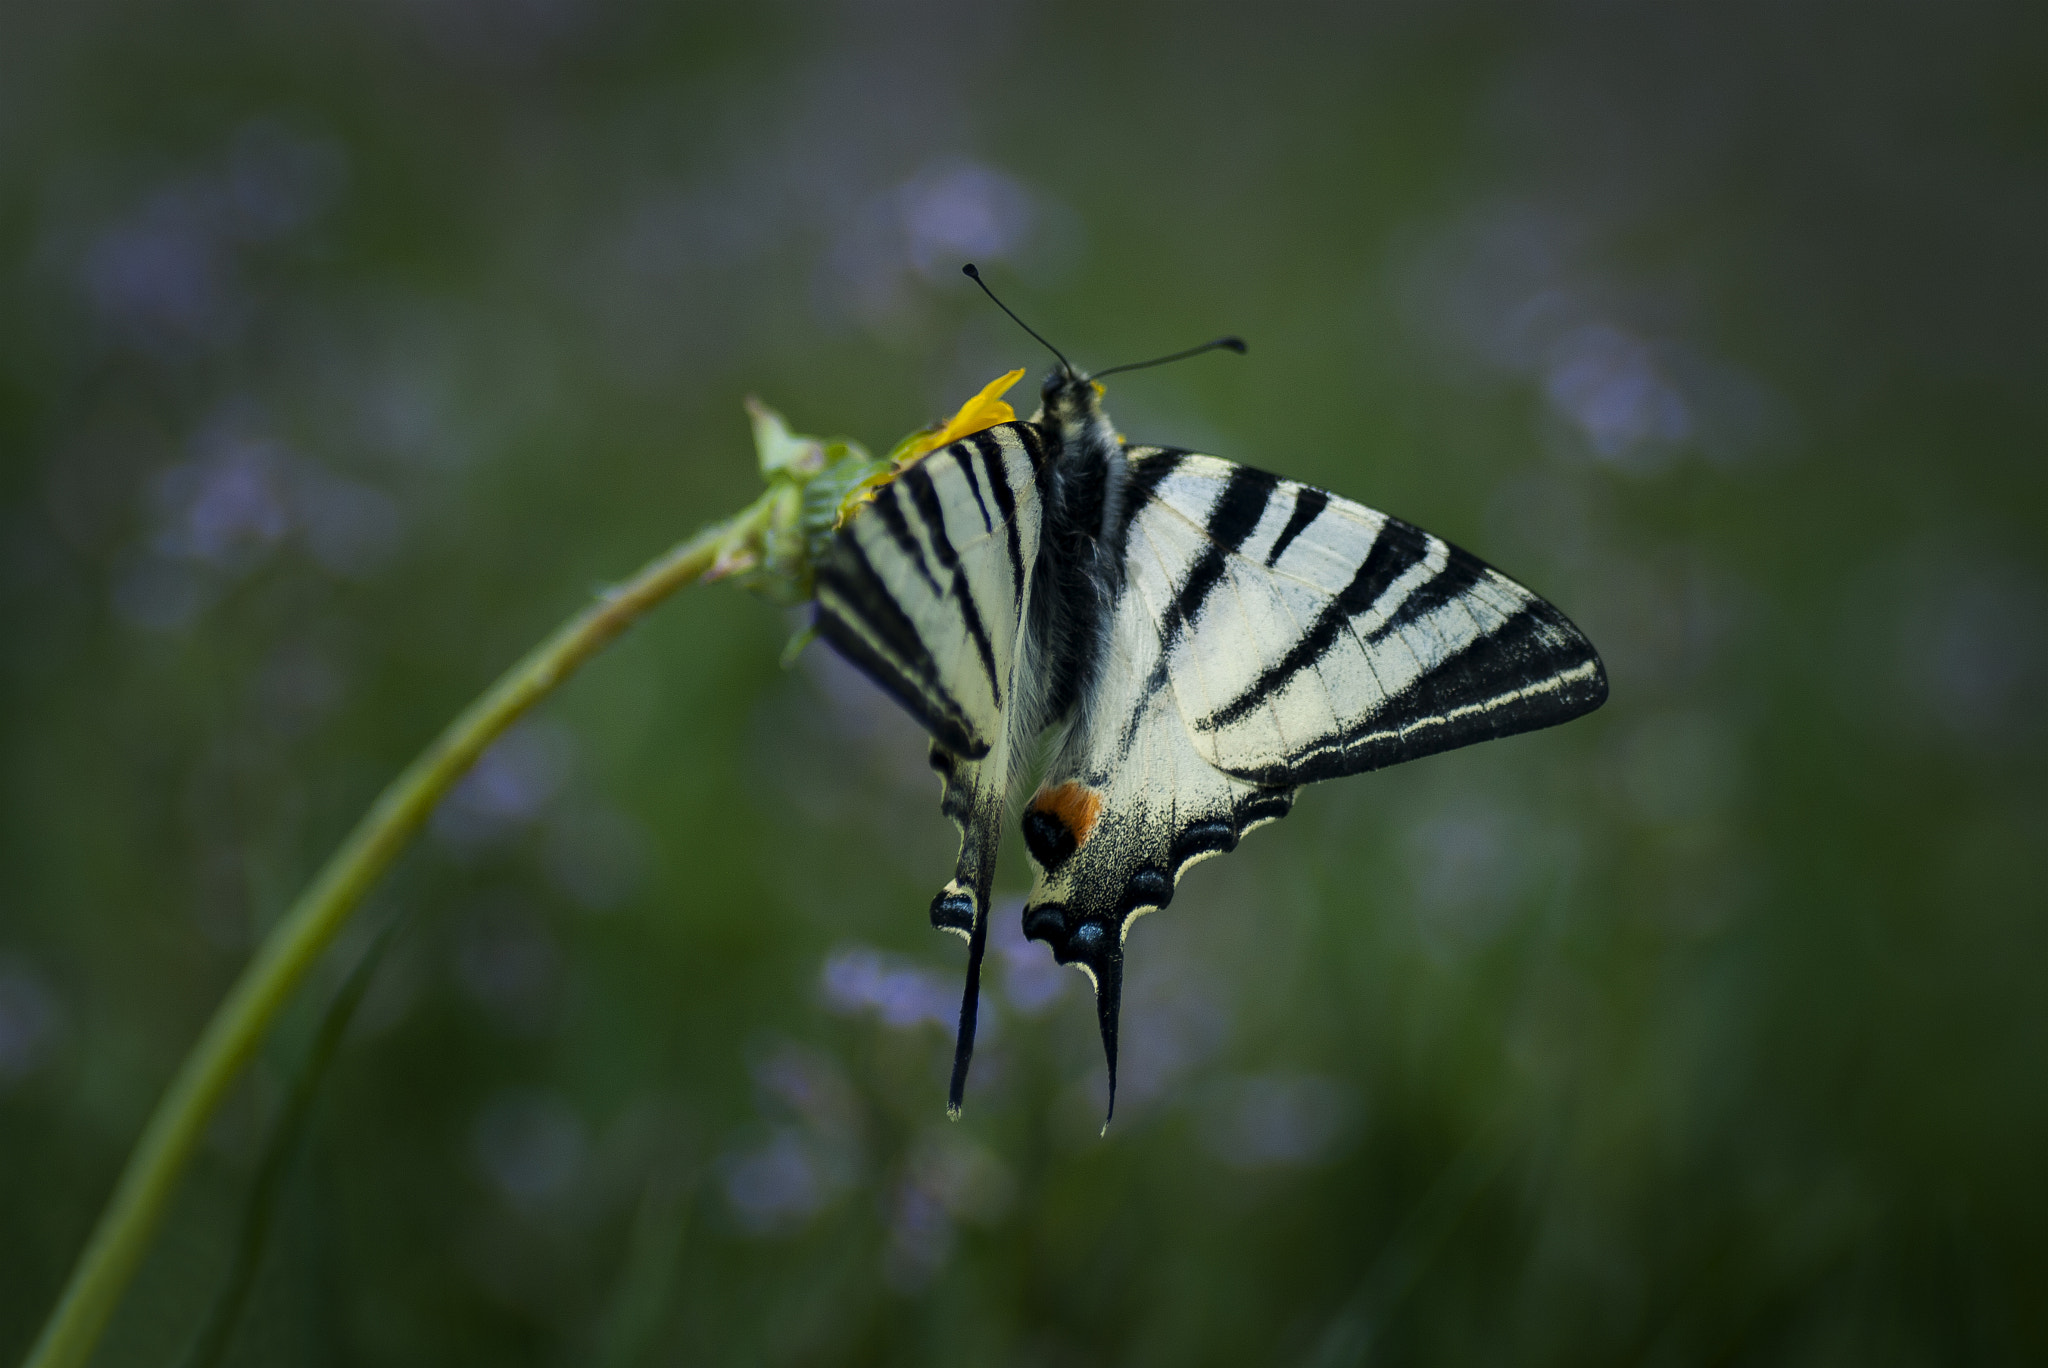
point(961, 907)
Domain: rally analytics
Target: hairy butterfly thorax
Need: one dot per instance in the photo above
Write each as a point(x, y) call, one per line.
point(1200, 638)
point(1081, 556)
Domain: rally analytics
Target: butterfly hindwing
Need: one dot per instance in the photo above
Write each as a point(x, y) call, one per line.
point(925, 590)
point(1118, 821)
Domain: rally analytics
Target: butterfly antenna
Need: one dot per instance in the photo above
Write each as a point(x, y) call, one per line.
point(975, 276)
point(1235, 344)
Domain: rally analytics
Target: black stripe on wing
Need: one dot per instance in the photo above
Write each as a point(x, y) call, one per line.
point(1309, 503)
point(1231, 521)
point(926, 500)
point(1534, 670)
point(857, 616)
point(888, 507)
point(1149, 467)
point(869, 620)
point(1238, 510)
point(963, 457)
point(1462, 573)
point(991, 452)
point(1395, 550)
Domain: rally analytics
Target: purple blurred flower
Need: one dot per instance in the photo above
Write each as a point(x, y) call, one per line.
point(225, 509)
point(946, 1180)
point(1608, 383)
point(860, 979)
point(958, 211)
point(166, 279)
point(1032, 979)
point(920, 1237)
point(1521, 291)
point(951, 211)
point(777, 1186)
point(222, 513)
point(509, 787)
point(779, 1183)
point(811, 1087)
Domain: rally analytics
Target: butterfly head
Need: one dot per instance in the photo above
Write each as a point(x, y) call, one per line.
point(1072, 402)
point(1071, 405)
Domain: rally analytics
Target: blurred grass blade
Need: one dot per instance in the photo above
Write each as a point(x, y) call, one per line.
point(654, 1251)
point(211, 1344)
point(1407, 1255)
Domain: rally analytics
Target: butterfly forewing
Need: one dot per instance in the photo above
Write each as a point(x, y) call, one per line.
point(1395, 644)
point(923, 588)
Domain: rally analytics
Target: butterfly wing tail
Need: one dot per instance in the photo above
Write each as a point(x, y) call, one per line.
point(970, 1006)
point(976, 807)
point(1109, 995)
point(1087, 943)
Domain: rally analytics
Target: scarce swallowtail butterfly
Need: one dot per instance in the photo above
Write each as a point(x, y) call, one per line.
point(1196, 639)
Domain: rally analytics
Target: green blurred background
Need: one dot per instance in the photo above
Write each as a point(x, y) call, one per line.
point(345, 348)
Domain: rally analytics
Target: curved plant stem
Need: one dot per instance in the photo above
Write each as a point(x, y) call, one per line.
point(295, 944)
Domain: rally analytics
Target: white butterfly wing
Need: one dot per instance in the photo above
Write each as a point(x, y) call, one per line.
point(925, 589)
point(1396, 644)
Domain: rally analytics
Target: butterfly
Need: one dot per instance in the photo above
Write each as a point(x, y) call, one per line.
point(1190, 640)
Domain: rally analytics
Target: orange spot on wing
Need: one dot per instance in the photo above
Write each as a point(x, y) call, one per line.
point(1075, 806)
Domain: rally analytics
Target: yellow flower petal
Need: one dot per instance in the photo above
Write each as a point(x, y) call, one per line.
point(978, 414)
